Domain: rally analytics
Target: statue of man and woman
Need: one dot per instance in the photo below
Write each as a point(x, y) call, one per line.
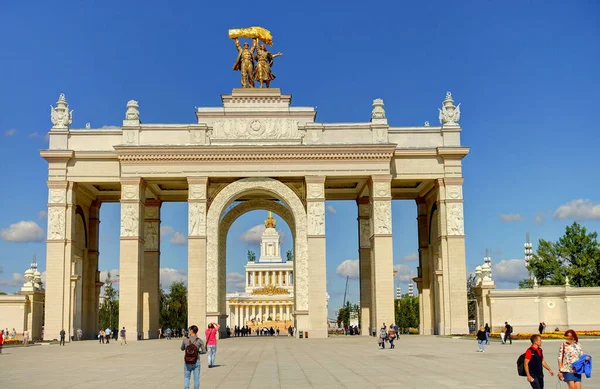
point(251, 73)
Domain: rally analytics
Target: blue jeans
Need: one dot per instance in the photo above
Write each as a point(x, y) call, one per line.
point(487, 338)
point(481, 344)
point(188, 369)
point(212, 352)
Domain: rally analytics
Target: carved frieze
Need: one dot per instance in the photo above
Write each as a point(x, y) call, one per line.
point(197, 219)
point(455, 219)
point(151, 236)
point(197, 192)
point(454, 192)
point(316, 218)
point(365, 232)
point(130, 192)
point(56, 223)
point(130, 219)
point(382, 217)
point(382, 189)
point(255, 128)
point(151, 212)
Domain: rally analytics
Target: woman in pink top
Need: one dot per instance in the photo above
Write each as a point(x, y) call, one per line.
point(211, 343)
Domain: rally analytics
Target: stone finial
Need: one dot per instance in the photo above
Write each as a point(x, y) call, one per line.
point(378, 113)
point(133, 112)
point(449, 113)
point(33, 278)
point(60, 115)
point(478, 275)
point(427, 124)
point(535, 281)
point(567, 281)
point(88, 126)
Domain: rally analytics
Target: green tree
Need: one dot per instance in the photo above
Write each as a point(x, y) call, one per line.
point(576, 255)
point(526, 284)
point(471, 297)
point(109, 310)
point(407, 312)
point(173, 306)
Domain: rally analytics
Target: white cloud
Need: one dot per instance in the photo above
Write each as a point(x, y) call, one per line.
point(23, 231)
point(236, 282)
point(16, 280)
point(510, 217)
point(349, 267)
point(178, 238)
point(10, 132)
point(540, 217)
point(405, 273)
point(331, 209)
point(42, 215)
point(509, 270)
point(579, 209)
point(166, 230)
point(103, 274)
point(254, 234)
point(411, 257)
point(168, 276)
point(34, 135)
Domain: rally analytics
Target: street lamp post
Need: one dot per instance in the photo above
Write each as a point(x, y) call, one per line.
point(528, 254)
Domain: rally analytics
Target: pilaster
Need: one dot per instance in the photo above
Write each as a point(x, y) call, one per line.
point(131, 256)
point(91, 297)
point(59, 253)
point(382, 262)
point(367, 319)
point(151, 270)
point(424, 271)
point(452, 255)
point(317, 272)
point(197, 207)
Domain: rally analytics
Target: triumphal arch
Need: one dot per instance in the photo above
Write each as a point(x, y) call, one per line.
point(256, 151)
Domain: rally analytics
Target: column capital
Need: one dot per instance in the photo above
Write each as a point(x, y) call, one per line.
point(315, 188)
point(380, 187)
point(197, 180)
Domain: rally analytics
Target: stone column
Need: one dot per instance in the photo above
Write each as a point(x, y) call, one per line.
point(59, 253)
point(367, 323)
point(237, 315)
point(452, 256)
point(424, 278)
point(151, 270)
point(382, 262)
point(91, 291)
point(317, 294)
point(197, 253)
point(131, 256)
point(247, 279)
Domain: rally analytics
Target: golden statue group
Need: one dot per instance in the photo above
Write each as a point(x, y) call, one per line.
point(247, 56)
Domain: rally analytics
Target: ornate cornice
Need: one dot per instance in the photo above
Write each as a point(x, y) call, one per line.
point(133, 154)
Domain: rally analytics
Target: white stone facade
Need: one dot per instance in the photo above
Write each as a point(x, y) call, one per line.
point(224, 165)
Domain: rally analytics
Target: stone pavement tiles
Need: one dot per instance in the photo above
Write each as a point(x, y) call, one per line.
point(279, 362)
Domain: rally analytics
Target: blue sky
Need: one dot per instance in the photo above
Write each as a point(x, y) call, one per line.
point(525, 73)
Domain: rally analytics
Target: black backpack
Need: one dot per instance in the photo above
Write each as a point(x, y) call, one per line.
point(521, 365)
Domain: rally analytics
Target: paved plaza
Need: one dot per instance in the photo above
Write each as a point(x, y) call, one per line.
point(278, 362)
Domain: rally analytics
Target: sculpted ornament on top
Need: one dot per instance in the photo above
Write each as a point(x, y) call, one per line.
point(60, 116)
point(264, 128)
point(450, 113)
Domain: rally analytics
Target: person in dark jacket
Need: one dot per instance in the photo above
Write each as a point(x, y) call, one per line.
point(481, 339)
point(487, 333)
point(535, 363)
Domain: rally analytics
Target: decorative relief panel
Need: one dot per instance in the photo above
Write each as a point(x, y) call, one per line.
point(151, 212)
point(150, 236)
point(315, 191)
point(365, 233)
point(130, 192)
point(380, 135)
point(56, 196)
point(382, 217)
point(56, 223)
point(197, 219)
point(382, 189)
point(316, 218)
point(263, 128)
point(455, 219)
point(130, 219)
point(364, 210)
point(454, 192)
point(197, 192)
point(220, 202)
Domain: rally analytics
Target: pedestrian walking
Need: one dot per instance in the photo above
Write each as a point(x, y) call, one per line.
point(26, 338)
point(535, 363)
point(192, 347)
point(508, 332)
point(211, 343)
point(487, 333)
point(107, 335)
point(79, 334)
point(62, 337)
point(1, 340)
point(568, 354)
point(382, 336)
point(123, 335)
point(481, 339)
point(391, 336)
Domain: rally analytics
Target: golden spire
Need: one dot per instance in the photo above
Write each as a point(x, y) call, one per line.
point(270, 222)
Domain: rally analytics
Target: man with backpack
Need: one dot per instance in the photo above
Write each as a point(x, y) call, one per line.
point(383, 335)
point(192, 347)
point(532, 363)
